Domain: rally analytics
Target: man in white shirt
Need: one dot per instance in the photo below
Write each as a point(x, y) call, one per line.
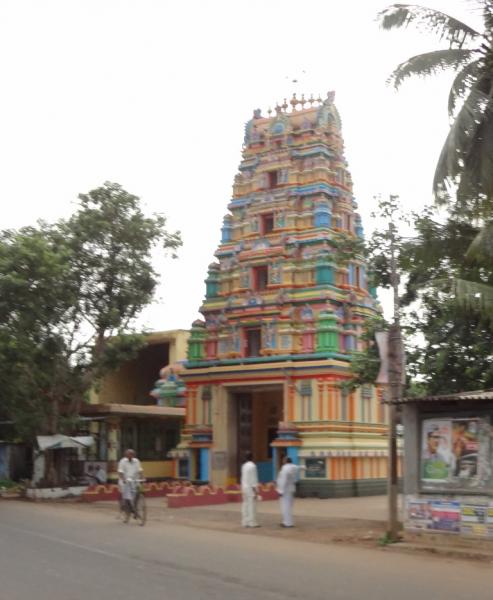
point(249, 491)
point(129, 467)
point(286, 487)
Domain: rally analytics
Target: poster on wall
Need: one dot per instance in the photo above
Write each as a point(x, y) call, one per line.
point(456, 452)
point(445, 516)
point(465, 448)
point(489, 520)
point(419, 514)
point(474, 518)
point(436, 450)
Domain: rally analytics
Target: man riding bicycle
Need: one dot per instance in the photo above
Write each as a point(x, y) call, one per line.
point(129, 471)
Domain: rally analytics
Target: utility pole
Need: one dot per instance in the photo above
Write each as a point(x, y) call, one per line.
point(395, 388)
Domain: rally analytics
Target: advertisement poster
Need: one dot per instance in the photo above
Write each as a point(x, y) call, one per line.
point(456, 452)
point(489, 520)
point(445, 516)
point(465, 448)
point(474, 519)
point(436, 450)
point(419, 514)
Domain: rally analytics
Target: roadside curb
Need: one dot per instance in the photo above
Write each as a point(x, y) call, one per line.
point(458, 552)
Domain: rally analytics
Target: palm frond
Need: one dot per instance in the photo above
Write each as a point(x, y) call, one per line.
point(476, 181)
point(446, 27)
point(430, 63)
point(488, 18)
point(474, 296)
point(462, 83)
point(462, 160)
point(481, 248)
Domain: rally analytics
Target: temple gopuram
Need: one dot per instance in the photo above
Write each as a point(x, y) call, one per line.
point(285, 306)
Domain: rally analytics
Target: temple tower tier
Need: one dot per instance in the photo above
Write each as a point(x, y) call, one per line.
point(285, 305)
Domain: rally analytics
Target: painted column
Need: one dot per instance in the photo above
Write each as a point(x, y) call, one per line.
point(204, 464)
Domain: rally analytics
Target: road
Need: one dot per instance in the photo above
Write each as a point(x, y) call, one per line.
point(67, 552)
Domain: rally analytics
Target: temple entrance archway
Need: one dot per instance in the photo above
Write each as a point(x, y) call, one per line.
point(255, 416)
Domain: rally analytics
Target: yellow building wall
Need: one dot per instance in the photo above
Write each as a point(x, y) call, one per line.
point(157, 468)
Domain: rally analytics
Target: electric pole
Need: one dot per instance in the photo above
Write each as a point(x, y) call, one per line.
point(395, 387)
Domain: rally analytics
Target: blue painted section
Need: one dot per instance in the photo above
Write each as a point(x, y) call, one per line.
point(324, 274)
point(274, 463)
point(350, 342)
point(292, 452)
point(204, 464)
point(351, 274)
point(362, 282)
point(225, 234)
point(264, 471)
point(302, 190)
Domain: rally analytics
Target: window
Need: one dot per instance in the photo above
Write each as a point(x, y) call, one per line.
point(253, 342)
point(267, 223)
point(260, 278)
point(272, 179)
point(156, 439)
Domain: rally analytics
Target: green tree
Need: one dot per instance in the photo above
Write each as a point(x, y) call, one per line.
point(453, 352)
point(465, 164)
point(69, 295)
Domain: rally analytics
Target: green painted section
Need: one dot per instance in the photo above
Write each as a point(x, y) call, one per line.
point(327, 333)
point(196, 344)
point(268, 359)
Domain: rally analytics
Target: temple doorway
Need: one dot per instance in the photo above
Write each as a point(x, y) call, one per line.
point(258, 412)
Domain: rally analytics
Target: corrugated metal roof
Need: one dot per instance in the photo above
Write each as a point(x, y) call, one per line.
point(477, 395)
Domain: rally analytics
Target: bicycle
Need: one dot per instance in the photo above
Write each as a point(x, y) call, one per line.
point(137, 505)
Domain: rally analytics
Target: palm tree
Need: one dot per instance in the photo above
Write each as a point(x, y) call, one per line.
point(465, 165)
point(472, 294)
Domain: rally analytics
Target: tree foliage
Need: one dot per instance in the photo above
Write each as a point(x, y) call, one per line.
point(69, 295)
point(464, 171)
point(454, 341)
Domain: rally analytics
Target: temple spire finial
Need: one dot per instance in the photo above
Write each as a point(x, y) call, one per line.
point(294, 102)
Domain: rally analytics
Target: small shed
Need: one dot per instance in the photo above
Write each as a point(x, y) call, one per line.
point(448, 464)
point(59, 460)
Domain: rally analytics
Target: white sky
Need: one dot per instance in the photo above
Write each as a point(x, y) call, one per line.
point(154, 94)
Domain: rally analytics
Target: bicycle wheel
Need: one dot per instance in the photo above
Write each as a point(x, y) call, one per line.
point(141, 509)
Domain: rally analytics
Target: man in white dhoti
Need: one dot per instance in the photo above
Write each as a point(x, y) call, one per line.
point(129, 467)
point(249, 491)
point(286, 487)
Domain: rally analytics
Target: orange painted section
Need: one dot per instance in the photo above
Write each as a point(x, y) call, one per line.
point(351, 407)
point(291, 402)
point(194, 405)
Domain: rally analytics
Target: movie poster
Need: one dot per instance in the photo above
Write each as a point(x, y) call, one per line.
point(456, 452)
point(445, 516)
point(436, 450)
point(465, 448)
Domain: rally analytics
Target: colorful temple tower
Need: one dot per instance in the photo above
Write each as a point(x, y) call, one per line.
point(284, 310)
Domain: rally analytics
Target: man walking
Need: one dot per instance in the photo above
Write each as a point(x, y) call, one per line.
point(286, 487)
point(249, 491)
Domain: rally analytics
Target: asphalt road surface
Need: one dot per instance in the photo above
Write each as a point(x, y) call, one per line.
point(60, 552)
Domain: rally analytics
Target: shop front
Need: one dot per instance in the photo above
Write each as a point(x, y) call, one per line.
point(152, 431)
